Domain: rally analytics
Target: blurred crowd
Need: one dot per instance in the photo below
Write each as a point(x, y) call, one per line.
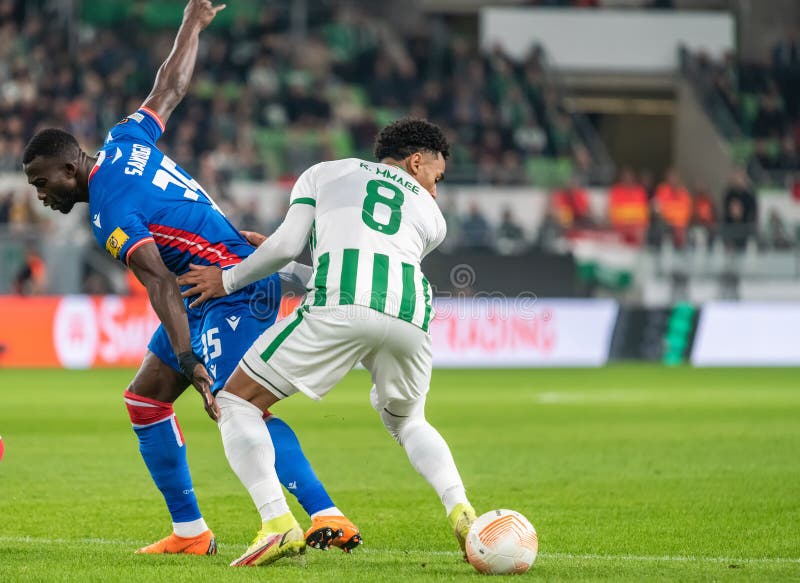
point(639, 212)
point(643, 212)
point(261, 109)
point(636, 4)
point(763, 99)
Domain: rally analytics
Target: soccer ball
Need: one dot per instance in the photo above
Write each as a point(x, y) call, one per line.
point(502, 542)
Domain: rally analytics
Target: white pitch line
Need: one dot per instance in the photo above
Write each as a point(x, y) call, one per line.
point(372, 551)
point(667, 558)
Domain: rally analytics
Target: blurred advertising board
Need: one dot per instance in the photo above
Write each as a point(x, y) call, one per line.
point(522, 332)
point(113, 331)
point(78, 331)
point(748, 334)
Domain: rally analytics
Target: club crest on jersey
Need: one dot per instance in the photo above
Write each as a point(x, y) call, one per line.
point(115, 242)
point(137, 117)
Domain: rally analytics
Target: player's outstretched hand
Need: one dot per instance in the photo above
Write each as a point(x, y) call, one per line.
point(202, 382)
point(206, 282)
point(201, 12)
point(255, 239)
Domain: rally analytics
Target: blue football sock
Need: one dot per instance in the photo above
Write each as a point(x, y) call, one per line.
point(164, 452)
point(294, 470)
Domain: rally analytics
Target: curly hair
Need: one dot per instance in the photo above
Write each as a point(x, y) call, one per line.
point(404, 137)
point(51, 143)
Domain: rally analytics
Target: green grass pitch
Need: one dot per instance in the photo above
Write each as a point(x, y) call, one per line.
point(629, 473)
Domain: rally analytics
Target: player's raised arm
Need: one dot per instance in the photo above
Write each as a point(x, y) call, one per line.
point(165, 297)
point(175, 73)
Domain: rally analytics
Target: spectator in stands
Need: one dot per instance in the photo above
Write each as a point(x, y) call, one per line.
point(9, 155)
point(786, 52)
point(510, 171)
point(648, 182)
point(21, 213)
point(5, 207)
point(673, 205)
point(740, 211)
point(771, 119)
point(562, 136)
point(510, 237)
point(453, 221)
point(777, 235)
point(765, 156)
point(704, 215)
point(788, 158)
point(476, 232)
point(530, 138)
point(97, 284)
point(571, 206)
point(550, 234)
point(794, 187)
point(273, 107)
point(31, 279)
point(628, 211)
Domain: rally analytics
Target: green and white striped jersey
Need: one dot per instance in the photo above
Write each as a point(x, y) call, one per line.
point(373, 225)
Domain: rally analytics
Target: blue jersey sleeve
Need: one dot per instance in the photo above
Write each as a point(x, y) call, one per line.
point(121, 229)
point(144, 126)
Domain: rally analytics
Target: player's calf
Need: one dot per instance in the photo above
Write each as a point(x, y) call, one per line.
point(163, 449)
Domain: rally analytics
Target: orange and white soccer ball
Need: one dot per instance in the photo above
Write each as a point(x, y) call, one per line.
point(502, 542)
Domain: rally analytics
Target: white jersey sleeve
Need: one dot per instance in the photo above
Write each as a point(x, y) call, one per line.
point(304, 190)
point(437, 239)
point(285, 244)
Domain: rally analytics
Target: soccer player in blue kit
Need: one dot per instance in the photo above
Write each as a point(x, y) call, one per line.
point(151, 215)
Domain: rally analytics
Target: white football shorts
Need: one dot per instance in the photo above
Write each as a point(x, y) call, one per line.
point(313, 349)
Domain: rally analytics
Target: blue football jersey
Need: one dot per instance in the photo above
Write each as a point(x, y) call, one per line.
point(138, 195)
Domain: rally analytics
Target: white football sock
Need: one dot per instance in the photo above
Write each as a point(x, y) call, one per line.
point(452, 497)
point(332, 511)
point(251, 454)
point(190, 529)
point(430, 455)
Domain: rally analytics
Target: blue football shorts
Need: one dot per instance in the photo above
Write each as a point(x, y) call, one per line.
point(224, 328)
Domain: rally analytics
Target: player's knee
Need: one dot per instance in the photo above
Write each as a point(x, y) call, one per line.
point(399, 425)
point(231, 406)
point(144, 411)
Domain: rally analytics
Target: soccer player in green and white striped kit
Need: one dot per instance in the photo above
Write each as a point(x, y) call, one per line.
point(370, 225)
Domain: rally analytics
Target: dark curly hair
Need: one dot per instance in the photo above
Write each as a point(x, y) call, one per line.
point(51, 143)
point(404, 137)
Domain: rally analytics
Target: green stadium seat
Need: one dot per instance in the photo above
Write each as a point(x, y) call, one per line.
point(169, 13)
point(749, 111)
point(563, 170)
point(742, 150)
point(103, 12)
point(163, 13)
point(342, 143)
point(271, 146)
point(549, 172)
point(384, 116)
